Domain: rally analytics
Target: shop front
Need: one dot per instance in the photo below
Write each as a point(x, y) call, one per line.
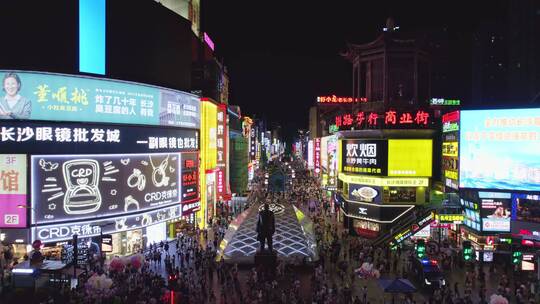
point(377, 174)
point(119, 173)
point(369, 219)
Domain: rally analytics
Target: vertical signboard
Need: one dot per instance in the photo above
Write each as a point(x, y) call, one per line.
point(190, 179)
point(12, 190)
point(253, 143)
point(332, 160)
point(317, 156)
point(450, 150)
point(221, 145)
point(310, 155)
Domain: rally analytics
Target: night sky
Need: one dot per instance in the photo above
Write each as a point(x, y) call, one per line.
point(280, 55)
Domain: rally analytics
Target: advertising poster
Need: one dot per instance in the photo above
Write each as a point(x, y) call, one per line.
point(78, 187)
point(450, 150)
point(368, 157)
point(62, 138)
point(46, 96)
point(12, 190)
point(499, 149)
point(495, 211)
point(364, 193)
point(410, 157)
point(190, 178)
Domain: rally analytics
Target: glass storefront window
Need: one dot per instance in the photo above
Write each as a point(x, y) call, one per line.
point(127, 242)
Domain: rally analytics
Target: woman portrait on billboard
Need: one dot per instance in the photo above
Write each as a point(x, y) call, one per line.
point(13, 105)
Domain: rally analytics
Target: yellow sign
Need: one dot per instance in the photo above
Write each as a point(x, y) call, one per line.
point(384, 182)
point(208, 158)
point(449, 218)
point(450, 149)
point(208, 135)
point(450, 174)
point(410, 157)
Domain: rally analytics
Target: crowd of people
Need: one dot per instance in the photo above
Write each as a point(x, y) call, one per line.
point(187, 270)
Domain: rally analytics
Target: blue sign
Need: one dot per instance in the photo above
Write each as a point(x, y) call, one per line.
point(499, 149)
point(43, 96)
point(92, 36)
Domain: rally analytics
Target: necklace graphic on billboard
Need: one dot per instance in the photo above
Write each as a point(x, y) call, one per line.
point(159, 177)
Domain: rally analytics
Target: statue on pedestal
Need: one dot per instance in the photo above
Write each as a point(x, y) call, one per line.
point(265, 227)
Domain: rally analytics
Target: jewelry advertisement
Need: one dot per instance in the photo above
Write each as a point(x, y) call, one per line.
point(77, 187)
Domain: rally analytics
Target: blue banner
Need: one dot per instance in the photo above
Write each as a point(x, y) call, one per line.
point(43, 96)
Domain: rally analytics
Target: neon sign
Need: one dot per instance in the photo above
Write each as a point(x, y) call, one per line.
point(335, 99)
point(389, 118)
point(444, 102)
point(208, 41)
point(333, 129)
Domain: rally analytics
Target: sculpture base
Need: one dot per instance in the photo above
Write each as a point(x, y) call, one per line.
point(266, 263)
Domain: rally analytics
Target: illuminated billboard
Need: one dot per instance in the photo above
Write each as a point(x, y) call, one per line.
point(409, 157)
point(317, 155)
point(368, 157)
point(331, 150)
point(495, 211)
point(12, 190)
point(450, 150)
point(324, 154)
point(208, 163)
point(499, 149)
point(47, 96)
point(65, 231)
point(81, 187)
point(222, 152)
point(310, 154)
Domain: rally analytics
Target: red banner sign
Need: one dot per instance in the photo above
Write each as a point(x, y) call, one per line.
point(391, 118)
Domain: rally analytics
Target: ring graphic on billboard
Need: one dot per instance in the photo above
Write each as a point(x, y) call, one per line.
point(82, 194)
point(74, 187)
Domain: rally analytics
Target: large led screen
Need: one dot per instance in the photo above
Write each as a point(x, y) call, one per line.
point(77, 187)
point(410, 157)
point(500, 149)
point(496, 214)
point(47, 96)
